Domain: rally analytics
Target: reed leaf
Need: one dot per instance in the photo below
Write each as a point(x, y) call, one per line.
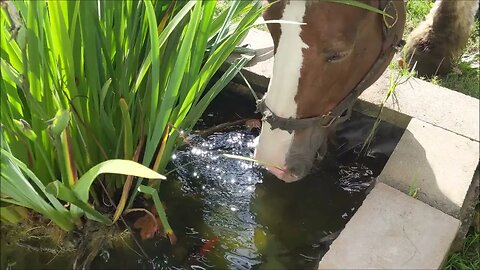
point(113, 166)
point(64, 193)
point(20, 191)
point(158, 206)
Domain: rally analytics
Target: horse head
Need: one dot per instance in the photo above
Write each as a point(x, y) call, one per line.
point(323, 59)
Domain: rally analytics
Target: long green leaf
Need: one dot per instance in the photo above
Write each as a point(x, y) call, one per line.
point(158, 206)
point(127, 130)
point(16, 186)
point(171, 93)
point(154, 43)
point(162, 39)
point(115, 166)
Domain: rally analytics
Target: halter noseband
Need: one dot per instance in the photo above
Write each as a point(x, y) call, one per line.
point(291, 124)
point(343, 109)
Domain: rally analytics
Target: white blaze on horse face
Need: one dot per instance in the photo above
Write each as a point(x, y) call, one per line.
point(273, 145)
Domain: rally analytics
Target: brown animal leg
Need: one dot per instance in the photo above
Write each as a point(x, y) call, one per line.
point(438, 42)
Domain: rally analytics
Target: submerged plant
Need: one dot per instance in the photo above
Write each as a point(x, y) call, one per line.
point(91, 87)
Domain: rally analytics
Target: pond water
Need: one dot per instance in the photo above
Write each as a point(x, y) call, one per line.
point(232, 214)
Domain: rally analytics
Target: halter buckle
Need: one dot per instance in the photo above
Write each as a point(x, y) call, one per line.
point(394, 17)
point(331, 121)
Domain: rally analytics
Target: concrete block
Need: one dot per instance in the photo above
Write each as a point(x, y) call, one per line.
point(467, 213)
point(441, 164)
point(431, 103)
point(392, 231)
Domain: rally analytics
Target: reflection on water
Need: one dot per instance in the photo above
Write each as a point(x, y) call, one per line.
point(258, 221)
point(232, 214)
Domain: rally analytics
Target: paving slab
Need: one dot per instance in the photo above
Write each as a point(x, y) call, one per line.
point(441, 164)
point(392, 231)
point(415, 98)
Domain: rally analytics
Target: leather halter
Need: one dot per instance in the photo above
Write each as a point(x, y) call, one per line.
point(390, 45)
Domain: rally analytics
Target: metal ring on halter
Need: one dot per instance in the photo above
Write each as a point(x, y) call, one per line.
point(395, 18)
point(334, 118)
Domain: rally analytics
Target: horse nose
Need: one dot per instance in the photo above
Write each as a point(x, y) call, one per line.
point(283, 174)
point(299, 165)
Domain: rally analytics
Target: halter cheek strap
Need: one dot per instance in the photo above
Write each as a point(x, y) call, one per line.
point(391, 44)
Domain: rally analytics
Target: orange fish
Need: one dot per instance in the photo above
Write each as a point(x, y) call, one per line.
point(208, 245)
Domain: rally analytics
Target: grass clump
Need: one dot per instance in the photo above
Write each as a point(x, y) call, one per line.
point(466, 76)
point(416, 12)
point(469, 257)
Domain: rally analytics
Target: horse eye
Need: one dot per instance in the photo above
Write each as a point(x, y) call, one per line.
point(335, 57)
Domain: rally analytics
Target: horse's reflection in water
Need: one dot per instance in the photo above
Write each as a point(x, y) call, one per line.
point(289, 233)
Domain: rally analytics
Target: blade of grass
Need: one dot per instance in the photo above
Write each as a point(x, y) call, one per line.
point(359, 4)
point(252, 160)
point(161, 40)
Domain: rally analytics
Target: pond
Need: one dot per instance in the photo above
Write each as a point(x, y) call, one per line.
point(232, 214)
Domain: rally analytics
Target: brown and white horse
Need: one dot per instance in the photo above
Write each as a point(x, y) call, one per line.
point(320, 67)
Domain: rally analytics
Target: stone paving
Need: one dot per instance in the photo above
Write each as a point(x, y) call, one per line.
point(438, 155)
point(439, 163)
point(392, 231)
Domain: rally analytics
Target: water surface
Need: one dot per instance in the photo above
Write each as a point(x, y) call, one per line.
point(232, 214)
